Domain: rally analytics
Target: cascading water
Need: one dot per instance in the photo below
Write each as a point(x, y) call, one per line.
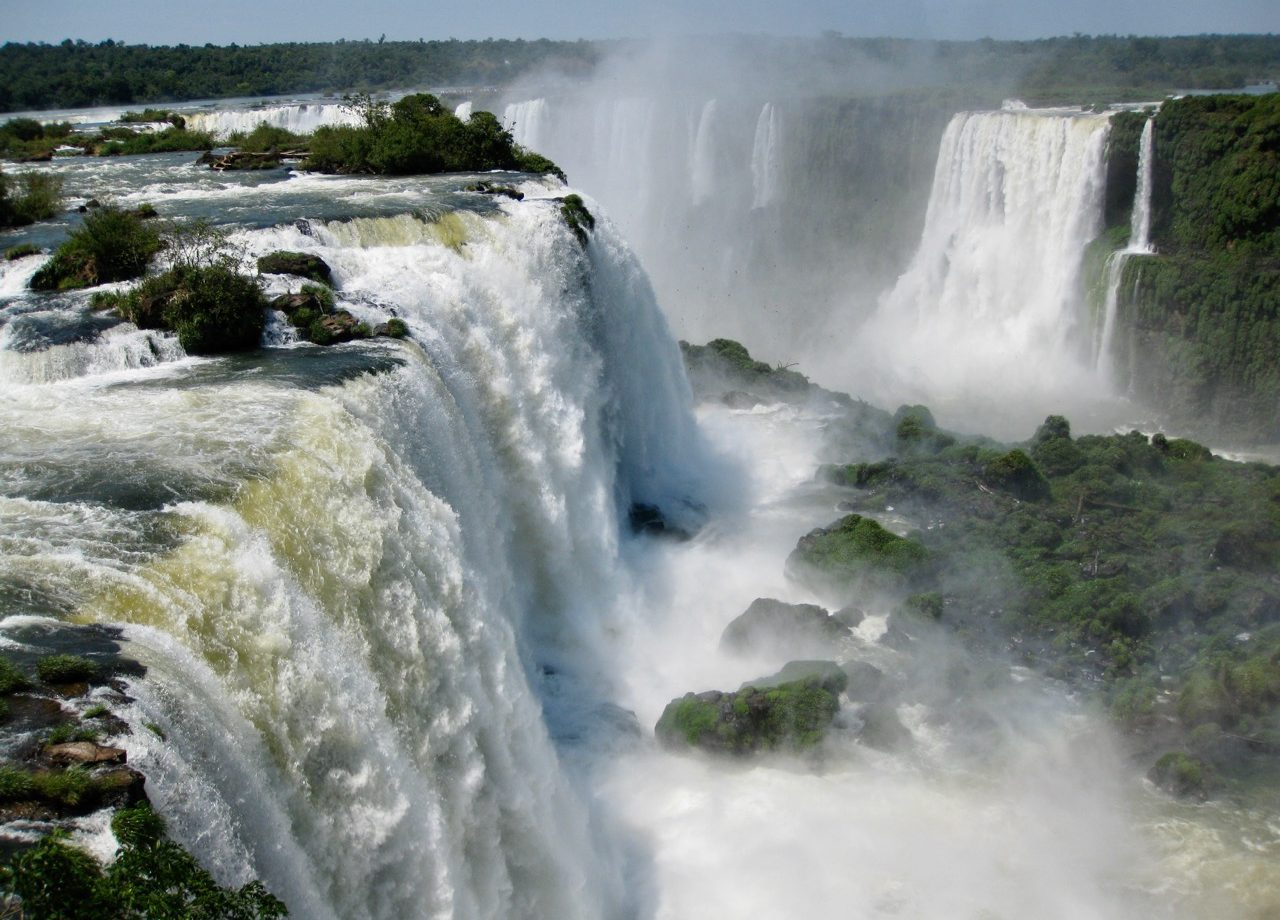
point(300, 118)
point(359, 575)
point(1139, 244)
point(525, 122)
point(702, 155)
point(990, 303)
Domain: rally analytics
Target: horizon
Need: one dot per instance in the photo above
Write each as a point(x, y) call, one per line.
point(242, 22)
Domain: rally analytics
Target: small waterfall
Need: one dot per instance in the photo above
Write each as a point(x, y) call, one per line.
point(702, 155)
point(464, 109)
point(301, 118)
point(1140, 233)
point(525, 121)
point(1139, 245)
point(990, 301)
point(764, 158)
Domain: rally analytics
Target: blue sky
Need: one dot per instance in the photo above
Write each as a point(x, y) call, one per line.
point(248, 22)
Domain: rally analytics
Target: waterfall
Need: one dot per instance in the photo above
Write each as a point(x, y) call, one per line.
point(357, 587)
point(301, 118)
point(702, 155)
point(990, 301)
point(1139, 244)
point(525, 122)
point(764, 158)
point(464, 109)
point(1140, 234)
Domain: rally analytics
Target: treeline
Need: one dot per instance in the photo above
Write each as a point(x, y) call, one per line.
point(75, 73)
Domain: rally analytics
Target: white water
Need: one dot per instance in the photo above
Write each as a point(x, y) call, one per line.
point(1140, 233)
point(703, 155)
point(991, 304)
point(300, 118)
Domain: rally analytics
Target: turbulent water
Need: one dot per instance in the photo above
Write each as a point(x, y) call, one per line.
point(403, 649)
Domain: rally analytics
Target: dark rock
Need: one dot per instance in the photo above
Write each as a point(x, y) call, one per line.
point(737, 399)
point(306, 300)
point(392, 329)
point(882, 729)
point(491, 188)
point(243, 160)
point(864, 680)
point(84, 752)
point(849, 616)
point(790, 630)
point(302, 264)
point(649, 519)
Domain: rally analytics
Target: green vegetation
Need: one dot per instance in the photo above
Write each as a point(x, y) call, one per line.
point(125, 142)
point(11, 678)
point(151, 877)
point(66, 669)
point(725, 358)
point(21, 251)
point(153, 116)
point(1147, 564)
point(27, 139)
point(857, 550)
point(1181, 775)
point(267, 138)
point(26, 198)
point(212, 308)
point(418, 135)
point(780, 715)
point(576, 215)
point(111, 245)
point(1203, 316)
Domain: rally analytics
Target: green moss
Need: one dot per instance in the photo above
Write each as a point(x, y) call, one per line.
point(397, 329)
point(576, 215)
point(858, 548)
point(21, 251)
point(302, 264)
point(11, 679)
point(70, 731)
point(66, 669)
point(1181, 774)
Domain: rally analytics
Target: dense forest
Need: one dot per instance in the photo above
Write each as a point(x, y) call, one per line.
point(76, 73)
point(1201, 317)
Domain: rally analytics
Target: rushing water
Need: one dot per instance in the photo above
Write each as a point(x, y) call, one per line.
point(406, 654)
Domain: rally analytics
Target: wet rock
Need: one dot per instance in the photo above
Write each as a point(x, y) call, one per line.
point(825, 674)
point(492, 188)
point(302, 264)
point(738, 399)
point(790, 630)
point(84, 752)
point(864, 680)
point(306, 300)
point(882, 729)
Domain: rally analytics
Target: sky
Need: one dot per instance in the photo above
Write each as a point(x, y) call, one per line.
point(158, 22)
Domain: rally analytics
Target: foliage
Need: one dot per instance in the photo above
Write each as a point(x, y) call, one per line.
point(397, 329)
point(151, 877)
point(28, 197)
point(857, 549)
point(212, 308)
point(131, 143)
point(153, 116)
point(1137, 557)
point(267, 138)
point(21, 251)
point(66, 669)
point(11, 678)
point(418, 135)
point(1202, 317)
point(111, 245)
point(725, 358)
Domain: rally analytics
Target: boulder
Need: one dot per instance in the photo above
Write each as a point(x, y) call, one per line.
point(790, 630)
point(302, 264)
point(863, 680)
point(790, 717)
point(825, 674)
point(84, 752)
point(306, 300)
point(882, 729)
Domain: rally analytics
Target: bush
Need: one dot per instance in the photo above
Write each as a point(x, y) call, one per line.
point(111, 245)
point(28, 197)
point(11, 679)
point(66, 669)
point(576, 215)
point(213, 309)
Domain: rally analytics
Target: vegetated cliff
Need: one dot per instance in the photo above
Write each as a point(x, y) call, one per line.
point(1199, 321)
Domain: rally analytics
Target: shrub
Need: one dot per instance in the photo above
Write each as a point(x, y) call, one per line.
point(21, 251)
point(66, 669)
point(111, 245)
point(213, 309)
point(28, 197)
point(11, 679)
point(576, 215)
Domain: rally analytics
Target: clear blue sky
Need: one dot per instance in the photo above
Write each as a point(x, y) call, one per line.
point(253, 21)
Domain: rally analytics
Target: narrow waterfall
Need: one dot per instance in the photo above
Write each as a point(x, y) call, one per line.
point(764, 158)
point(1139, 244)
point(702, 155)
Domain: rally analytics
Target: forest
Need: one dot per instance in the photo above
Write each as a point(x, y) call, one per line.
point(77, 73)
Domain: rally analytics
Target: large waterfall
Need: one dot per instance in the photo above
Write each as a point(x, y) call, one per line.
point(991, 303)
point(355, 581)
point(300, 118)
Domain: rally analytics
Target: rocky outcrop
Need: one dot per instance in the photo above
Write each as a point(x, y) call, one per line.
point(302, 264)
point(790, 630)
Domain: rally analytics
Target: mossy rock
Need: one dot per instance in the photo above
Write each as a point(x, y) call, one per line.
point(301, 264)
point(827, 675)
point(791, 717)
point(857, 548)
point(66, 669)
point(574, 211)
